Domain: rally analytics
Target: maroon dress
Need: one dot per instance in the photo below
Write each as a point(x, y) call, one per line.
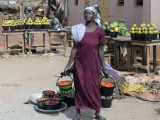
point(87, 74)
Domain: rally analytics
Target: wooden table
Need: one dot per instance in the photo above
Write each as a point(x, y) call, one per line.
point(57, 44)
point(118, 43)
point(6, 44)
point(42, 31)
point(145, 54)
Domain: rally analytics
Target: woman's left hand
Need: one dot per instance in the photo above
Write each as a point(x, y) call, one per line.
point(105, 74)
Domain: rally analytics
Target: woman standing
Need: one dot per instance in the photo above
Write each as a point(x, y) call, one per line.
point(89, 39)
point(31, 15)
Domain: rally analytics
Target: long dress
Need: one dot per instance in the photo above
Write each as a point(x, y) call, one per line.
point(86, 74)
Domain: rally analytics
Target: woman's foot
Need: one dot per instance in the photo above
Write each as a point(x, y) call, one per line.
point(99, 117)
point(78, 117)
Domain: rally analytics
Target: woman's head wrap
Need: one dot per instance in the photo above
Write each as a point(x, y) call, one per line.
point(78, 30)
point(96, 10)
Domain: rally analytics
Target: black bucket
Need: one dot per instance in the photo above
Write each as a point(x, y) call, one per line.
point(148, 37)
point(107, 91)
point(140, 37)
point(133, 37)
point(113, 34)
point(5, 28)
point(106, 103)
point(12, 28)
point(107, 32)
point(154, 36)
point(70, 101)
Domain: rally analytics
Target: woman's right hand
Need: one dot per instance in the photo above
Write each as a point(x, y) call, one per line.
point(66, 68)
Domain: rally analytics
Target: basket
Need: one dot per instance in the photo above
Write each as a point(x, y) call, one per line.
point(65, 89)
point(107, 91)
point(51, 106)
point(50, 94)
point(40, 102)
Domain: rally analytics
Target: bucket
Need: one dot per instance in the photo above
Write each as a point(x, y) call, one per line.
point(65, 87)
point(5, 28)
point(107, 90)
point(107, 32)
point(148, 37)
point(134, 37)
point(12, 28)
point(140, 37)
point(113, 34)
point(106, 103)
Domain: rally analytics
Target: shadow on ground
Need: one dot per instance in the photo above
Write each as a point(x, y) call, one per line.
point(158, 111)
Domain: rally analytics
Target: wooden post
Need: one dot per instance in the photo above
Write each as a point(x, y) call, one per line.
point(154, 59)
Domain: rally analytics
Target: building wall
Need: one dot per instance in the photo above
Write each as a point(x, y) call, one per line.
point(155, 16)
point(129, 12)
point(75, 12)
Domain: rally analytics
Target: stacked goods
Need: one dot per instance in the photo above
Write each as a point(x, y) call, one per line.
point(20, 24)
point(144, 32)
point(5, 25)
point(29, 23)
point(48, 94)
point(51, 105)
point(45, 23)
point(114, 30)
point(106, 28)
point(12, 25)
point(122, 28)
point(37, 23)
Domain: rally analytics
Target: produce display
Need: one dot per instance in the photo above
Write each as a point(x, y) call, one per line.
point(48, 94)
point(114, 29)
point(29, 24)
point(122, 28)
point(13, 23)
point(5, 23)
point(20, 22)
point(107, 84)
point(65, 83)
point(45, 21)
point(145, 32)
point(106, 28)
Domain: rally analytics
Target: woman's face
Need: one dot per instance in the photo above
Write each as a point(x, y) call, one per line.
point(88, 15)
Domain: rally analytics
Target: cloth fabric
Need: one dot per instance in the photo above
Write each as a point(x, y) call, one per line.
point(149, 95)
point(133, 87)
point(86, 73)
point(78, 32)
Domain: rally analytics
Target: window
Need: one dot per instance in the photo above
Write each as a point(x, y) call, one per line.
point(86, 3)
point(139, 2)
point(120, 2)
point(75, 2)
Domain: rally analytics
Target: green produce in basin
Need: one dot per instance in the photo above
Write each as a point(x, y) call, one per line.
point(104, 27)
point(106, 23)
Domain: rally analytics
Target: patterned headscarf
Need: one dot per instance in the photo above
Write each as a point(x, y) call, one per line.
point(96, 10)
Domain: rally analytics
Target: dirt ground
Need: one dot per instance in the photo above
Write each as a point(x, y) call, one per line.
point(20, 77)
